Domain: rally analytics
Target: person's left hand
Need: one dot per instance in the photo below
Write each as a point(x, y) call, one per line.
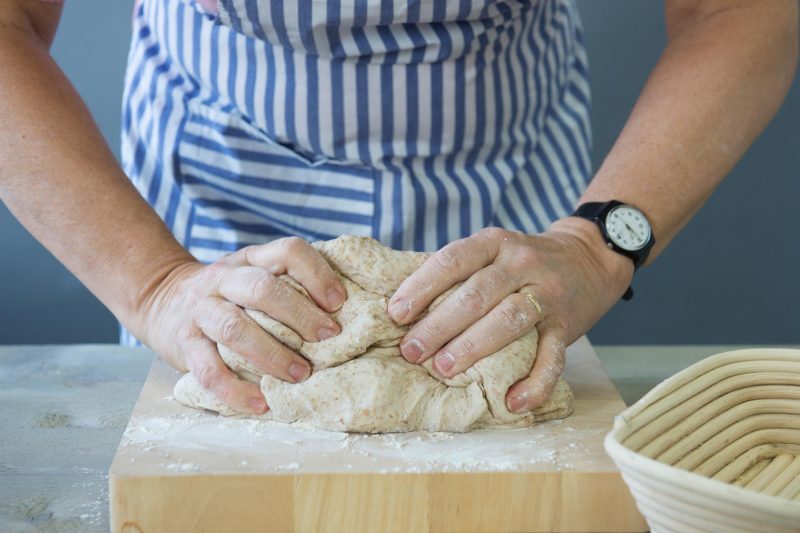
point(567, 273)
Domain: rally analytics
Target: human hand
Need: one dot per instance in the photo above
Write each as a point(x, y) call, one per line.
point(561, 282)
point(197, 306)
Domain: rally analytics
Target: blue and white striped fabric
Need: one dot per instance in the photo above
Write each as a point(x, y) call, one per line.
point(416, 122)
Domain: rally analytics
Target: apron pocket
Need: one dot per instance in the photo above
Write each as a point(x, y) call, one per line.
point(245, 187)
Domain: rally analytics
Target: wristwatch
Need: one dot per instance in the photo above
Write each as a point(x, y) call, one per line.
point(625, 229)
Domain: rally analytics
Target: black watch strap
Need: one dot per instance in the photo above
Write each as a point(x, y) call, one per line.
point(593, 210)
point(628, 294)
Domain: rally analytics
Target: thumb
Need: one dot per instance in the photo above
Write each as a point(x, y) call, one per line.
point(532, 391)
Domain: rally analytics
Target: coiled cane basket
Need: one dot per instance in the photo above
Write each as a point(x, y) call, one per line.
point(716, 447)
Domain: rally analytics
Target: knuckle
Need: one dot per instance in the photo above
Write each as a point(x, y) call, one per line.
point(292, 245)
point(288, 286)
point(209, 377)
point(213, 272)
point(242, 253)
point(275, 361)
point(445, 259)
point(232, 329)
point(265, 287)
point(466, 348)
point(524, 258)
point(512, 316)
point(471, 299)
point(493, 233)
point(432, 331)
point(248, 255)
point(305, 317)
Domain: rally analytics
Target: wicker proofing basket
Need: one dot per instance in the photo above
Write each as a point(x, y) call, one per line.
point(716, 447)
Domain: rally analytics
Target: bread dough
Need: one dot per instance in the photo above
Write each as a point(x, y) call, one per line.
point(361, 383)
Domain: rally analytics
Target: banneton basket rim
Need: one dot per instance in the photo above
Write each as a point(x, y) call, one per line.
point(684, 479)
point(699, 368)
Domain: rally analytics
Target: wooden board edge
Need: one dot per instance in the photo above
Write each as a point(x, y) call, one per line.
point(366, 502)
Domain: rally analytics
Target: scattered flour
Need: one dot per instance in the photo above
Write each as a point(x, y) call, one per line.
point(181, 443)
point(185, 467)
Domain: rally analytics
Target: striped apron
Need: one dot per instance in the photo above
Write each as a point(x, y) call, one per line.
point(416, 122)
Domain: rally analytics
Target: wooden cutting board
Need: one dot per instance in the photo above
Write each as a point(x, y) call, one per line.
point(178, 469)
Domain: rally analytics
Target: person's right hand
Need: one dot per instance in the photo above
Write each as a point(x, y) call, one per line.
point(197, 306)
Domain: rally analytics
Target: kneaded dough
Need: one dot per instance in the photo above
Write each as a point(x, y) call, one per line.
point(361, 383)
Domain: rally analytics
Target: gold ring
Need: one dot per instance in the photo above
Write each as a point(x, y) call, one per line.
point(531, 298)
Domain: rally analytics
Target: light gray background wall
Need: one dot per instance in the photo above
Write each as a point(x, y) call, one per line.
point(731, 277)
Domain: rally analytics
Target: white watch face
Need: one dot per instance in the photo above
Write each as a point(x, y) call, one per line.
point(627, 228)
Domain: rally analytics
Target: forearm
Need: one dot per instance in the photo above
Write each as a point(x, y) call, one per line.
point(62, 182)
point(720, 80)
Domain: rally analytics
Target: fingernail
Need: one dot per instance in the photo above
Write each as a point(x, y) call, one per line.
point(399, 309)
point(325, 333)
point(335, 297)
point(444, 362)
point(517, 403)
point(298, 372)
point(412, 350)
point(258, 404)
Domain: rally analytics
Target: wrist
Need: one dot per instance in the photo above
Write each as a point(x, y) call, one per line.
point(616, 268)
point(152, 290)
